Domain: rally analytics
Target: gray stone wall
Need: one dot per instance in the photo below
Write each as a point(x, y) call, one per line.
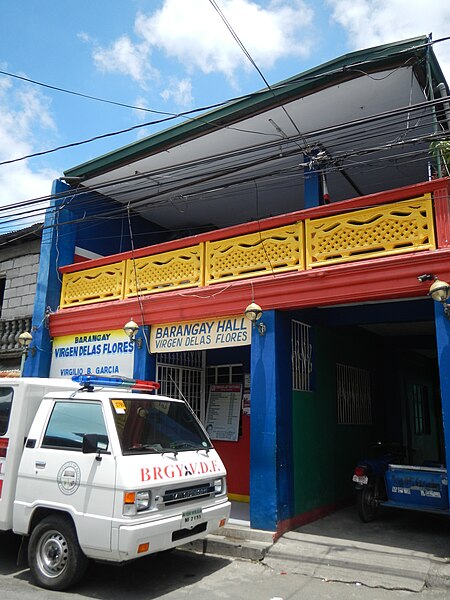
point(19, 267)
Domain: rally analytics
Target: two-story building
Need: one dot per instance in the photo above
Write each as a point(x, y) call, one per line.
point(321, 199)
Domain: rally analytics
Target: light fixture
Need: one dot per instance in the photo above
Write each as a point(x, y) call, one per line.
point(131, 328)
point(24, 340)
point(254, 312)
point(439, 291)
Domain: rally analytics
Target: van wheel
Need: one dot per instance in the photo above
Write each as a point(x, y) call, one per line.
point(54, 554)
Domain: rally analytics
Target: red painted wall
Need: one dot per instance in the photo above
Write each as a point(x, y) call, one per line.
point(236, 457)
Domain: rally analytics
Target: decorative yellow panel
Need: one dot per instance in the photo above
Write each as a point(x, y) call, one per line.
point(261, 253)
point(166, 271)
point(383, 230)
point(93, 285)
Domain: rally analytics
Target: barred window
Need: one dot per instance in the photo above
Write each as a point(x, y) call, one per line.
point(354, 400)
point(301, 356)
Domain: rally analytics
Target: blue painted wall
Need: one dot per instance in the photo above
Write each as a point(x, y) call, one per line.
point(443, 345)
point(57, 249)
point(271, 483)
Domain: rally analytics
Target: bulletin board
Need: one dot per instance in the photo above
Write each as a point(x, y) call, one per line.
point(224, 412)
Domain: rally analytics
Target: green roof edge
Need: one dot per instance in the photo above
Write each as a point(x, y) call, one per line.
point(235, 110)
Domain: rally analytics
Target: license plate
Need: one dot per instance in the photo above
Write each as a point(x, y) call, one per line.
point(192, 516)
point(362, 479)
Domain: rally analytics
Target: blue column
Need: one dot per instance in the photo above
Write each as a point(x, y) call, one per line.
point(271, 477)
point(144, 362)
point(313, 185)
point(57, 249)
point(443, 347)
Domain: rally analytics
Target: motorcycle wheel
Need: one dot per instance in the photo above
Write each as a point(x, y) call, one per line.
point(366, 503)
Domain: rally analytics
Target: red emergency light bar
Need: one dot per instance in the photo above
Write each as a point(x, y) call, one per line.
point(116, 382)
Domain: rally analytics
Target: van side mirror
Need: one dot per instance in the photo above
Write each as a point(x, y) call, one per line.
point(94, 442)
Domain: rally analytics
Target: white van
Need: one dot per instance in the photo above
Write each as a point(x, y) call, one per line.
point(90, 470)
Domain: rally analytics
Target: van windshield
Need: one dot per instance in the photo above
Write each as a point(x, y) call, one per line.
point(157, 426)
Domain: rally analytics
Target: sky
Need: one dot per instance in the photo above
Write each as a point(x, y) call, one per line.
point(165, 55)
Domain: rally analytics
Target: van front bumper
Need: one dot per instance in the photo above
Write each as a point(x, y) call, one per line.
point(169, 532)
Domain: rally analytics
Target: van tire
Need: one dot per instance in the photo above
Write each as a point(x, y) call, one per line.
point(54, 555)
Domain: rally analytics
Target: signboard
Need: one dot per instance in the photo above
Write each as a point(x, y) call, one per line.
point(200, 335)
point(223, 413)
point(100, 353)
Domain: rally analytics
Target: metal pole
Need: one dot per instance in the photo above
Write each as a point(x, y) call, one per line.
point(22, 361)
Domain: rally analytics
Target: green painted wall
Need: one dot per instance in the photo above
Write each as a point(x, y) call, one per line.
point(325, 453)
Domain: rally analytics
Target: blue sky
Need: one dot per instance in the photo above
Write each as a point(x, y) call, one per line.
point(167, 55)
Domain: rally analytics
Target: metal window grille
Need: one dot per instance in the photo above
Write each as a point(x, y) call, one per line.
point(301, 356)
point(354, 399)
point(182, 375)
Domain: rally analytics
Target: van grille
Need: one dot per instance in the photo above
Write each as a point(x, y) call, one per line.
point(178, 495)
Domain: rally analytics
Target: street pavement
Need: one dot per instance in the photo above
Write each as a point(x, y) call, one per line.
point(401, 556)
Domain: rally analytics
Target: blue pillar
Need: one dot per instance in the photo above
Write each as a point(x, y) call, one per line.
point(313, 184)
point(271, 477)
point(443, 347)
point(57, 250)
point(144, 362)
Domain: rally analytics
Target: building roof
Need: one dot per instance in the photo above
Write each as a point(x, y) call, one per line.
point(370, 103)
point(33, 232)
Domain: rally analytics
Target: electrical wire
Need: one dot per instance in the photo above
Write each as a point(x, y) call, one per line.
point(376, 123)
point(250, 58)
point(186, 114)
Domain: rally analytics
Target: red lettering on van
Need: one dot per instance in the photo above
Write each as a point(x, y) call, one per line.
point(157, 473)
point(145, 474)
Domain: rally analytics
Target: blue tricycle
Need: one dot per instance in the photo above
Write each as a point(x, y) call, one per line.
point(383, 482)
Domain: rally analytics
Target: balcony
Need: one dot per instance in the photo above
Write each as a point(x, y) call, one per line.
point(10, 329)
point(389, 224)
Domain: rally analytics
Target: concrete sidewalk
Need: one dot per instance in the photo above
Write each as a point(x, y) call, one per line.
point(400, 550)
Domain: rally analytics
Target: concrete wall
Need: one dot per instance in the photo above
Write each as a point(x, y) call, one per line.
point(19, 266)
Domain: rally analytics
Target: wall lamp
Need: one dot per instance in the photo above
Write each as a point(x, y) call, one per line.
point(131, 328)
point(254, 312)
point(24, 340)
point(439, 291)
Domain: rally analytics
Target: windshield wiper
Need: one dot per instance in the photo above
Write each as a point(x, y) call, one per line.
point(186, 445)
point(144, 447)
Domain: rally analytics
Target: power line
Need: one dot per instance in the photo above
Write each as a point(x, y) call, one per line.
point(250, 58)
point(184, 114)
point(353, 130)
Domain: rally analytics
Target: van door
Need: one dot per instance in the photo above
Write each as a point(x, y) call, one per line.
point(61, 475)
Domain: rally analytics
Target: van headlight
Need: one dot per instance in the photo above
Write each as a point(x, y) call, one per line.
point(135, 502)
point(219, 486)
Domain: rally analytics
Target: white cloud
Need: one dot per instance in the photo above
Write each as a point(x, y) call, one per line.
point(372, 22)
point(127, 58)
point(24, 111)
point(179, 90)
point(193, 33)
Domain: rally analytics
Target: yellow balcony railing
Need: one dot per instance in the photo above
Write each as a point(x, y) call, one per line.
point(381, 230)
point(169, 270)
point(261, 253)
point(93, 285)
